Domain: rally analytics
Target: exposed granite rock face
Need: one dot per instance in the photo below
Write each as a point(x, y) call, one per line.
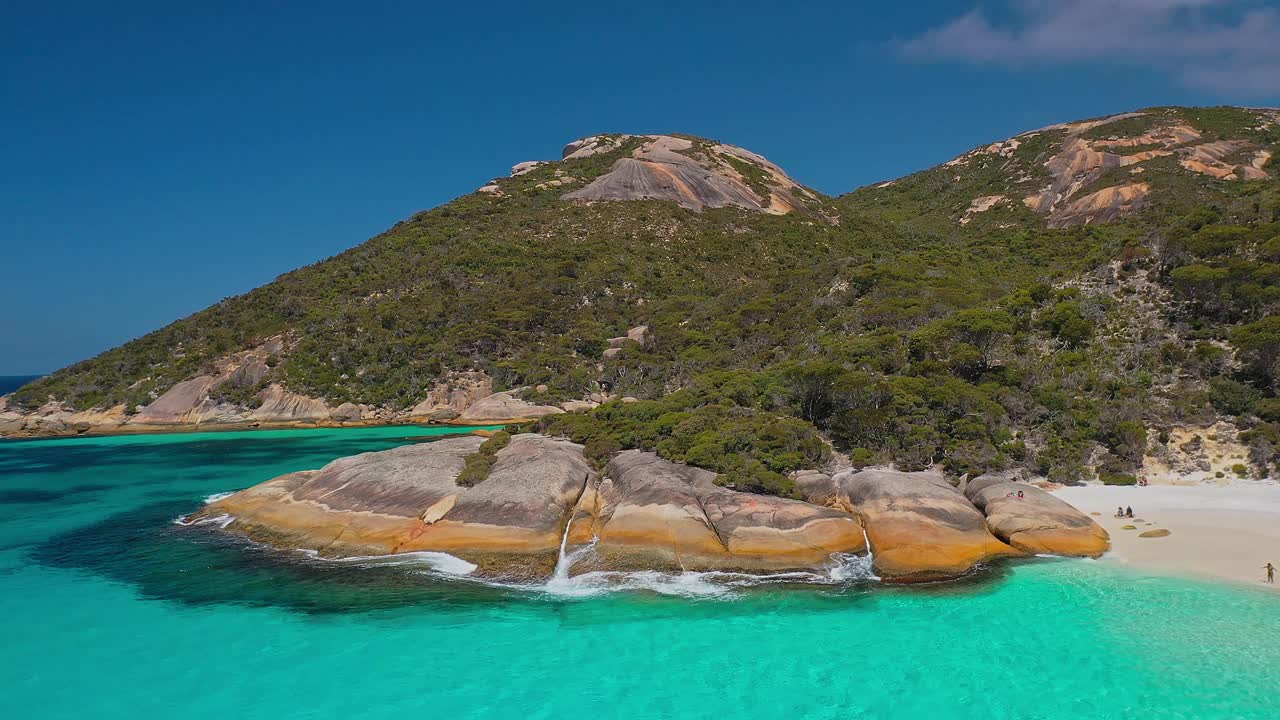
point(921, 528)
point(406, 499)
point(180, 403)
point(503, 407)
point(651, 513)
point(54, 419)
point(456, 392)
point(364, 504)
point(1104, 205)
point(1085, 155)
point(820, 489)
point(346, 412)
point(1037, 522)
point(693, 175)
point(280, 405)
point(512, 522)
point(578, 405)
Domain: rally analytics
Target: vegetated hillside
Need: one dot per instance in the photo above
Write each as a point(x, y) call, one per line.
point(1055, 302)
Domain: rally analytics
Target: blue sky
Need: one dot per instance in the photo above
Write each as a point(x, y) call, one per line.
point(155, 158)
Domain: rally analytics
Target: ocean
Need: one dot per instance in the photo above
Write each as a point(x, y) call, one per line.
point(109, 609)
point(9, 383)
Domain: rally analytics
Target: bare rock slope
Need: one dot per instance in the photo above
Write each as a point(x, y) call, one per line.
point(696, 174)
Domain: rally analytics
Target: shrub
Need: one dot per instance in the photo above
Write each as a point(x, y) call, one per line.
point(1268, 409)
point(598, 451)
point(496, 442)
point(481, 461)
point(1231, 397)
point(1117, 479)
point(861, 457)
point(476, 469)
point(1240, 469)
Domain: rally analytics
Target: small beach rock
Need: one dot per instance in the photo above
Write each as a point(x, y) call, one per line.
point(1154, 533)
point(346, 412)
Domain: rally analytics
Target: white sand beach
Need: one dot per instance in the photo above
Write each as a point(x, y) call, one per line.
point(1226, 532)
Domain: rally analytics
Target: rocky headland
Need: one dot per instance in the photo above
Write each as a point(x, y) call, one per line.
point(541, 499)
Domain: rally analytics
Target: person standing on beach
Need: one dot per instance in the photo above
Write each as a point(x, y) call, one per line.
point(1271, 573)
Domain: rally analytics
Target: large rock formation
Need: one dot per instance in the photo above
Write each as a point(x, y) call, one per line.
point(921, 528)
point(648, 514)
point(406, 499)
point(455, 392)
point(504, 407)
point(643, 513)
point(695, 175)
point(1092, 174)
point(652, 513)
point(364, 504)
point(1034, 521)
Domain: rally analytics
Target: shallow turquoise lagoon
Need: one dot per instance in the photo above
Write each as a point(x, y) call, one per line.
point(110, 610)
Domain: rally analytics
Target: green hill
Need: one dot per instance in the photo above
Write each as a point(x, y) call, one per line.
point(1055, 302)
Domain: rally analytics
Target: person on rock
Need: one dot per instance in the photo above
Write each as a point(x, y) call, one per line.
point(1271, 573)
point(1019, 494)
point(1128, 512)
point(1119, 512)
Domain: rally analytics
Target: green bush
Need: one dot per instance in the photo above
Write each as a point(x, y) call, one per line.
point(496, 442)
point(599, 450)
point(1268, 409)
point(1232, 397)
point(481, 461)
point(476, 469)
point(1117, 479)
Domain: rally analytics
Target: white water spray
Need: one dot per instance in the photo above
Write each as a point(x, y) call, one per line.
point(854, 567)
point(566, 559)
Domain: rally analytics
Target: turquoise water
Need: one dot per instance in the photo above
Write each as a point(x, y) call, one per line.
point(109, 610)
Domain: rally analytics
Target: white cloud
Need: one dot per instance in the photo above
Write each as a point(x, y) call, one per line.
point(1230, 47)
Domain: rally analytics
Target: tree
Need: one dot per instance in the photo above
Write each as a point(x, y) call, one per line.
point(811, 389)
point(1258, 345)
point(1067, 322)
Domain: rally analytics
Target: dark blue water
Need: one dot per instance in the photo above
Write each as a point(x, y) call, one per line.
point(9, 383)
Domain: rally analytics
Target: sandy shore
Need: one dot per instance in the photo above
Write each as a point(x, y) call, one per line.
point(1225, 532)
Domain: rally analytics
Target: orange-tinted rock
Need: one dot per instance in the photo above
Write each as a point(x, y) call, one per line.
point(652, 513)
point(1037, 522)
point(921, 528)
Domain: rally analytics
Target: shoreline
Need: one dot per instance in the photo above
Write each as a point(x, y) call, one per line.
point(1216, 532)
point(184, 428)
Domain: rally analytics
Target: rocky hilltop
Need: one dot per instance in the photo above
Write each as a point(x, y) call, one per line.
point(1100, 170)
point(541, 499)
